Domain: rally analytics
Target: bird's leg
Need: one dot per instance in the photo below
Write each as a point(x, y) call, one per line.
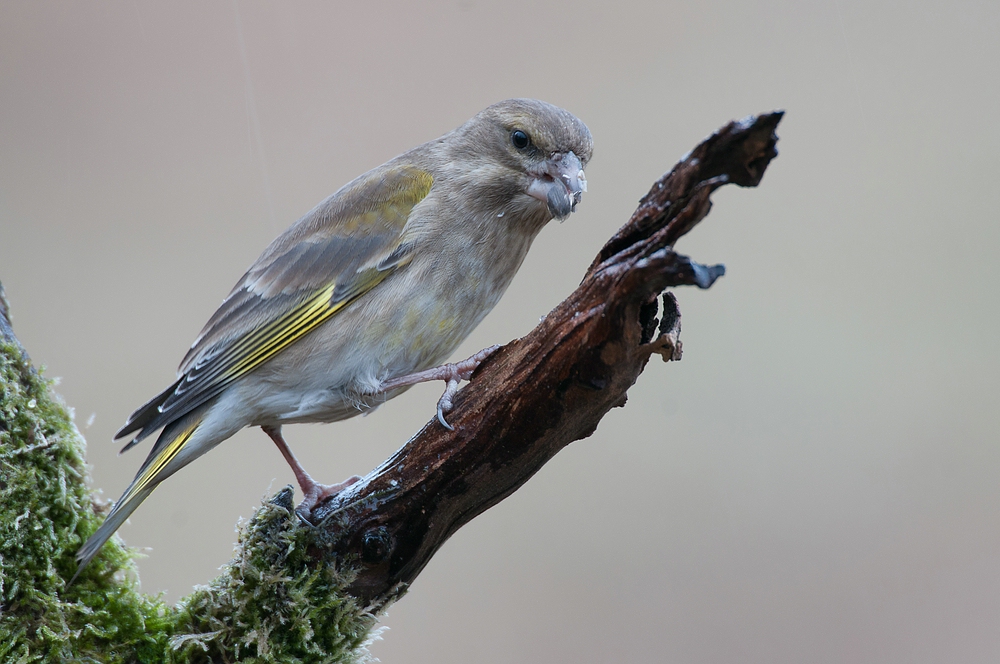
point(451, 374)
point(312, 491)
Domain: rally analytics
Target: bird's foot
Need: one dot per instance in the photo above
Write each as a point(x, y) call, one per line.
point(315, 493)
point(452, 374)
point(312, 491)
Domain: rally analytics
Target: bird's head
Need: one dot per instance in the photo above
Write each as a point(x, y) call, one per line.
point(538, 150)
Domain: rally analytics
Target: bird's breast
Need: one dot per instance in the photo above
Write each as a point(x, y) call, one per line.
point(413, 320)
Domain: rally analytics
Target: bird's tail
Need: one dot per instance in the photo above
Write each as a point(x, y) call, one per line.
point(154, 470)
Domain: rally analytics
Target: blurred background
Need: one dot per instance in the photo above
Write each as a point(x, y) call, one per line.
point(815, 482)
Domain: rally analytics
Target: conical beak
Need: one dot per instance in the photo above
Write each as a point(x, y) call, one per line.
point(560, 184)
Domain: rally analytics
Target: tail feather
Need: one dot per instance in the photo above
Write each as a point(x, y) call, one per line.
point(147, 418)
point(121, 511)
point(169, 444)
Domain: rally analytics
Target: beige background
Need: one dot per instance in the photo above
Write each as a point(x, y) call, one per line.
point(817, 481)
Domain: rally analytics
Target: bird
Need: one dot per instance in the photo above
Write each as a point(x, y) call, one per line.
point(366, 295)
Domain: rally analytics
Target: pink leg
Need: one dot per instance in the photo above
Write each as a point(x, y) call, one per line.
point(452, 374)
point(312, 491)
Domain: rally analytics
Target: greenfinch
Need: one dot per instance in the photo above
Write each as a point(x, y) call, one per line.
point(367, 293)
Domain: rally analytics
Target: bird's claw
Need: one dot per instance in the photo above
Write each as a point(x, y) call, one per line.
point(315, 493)
point(455, 374)
point(452, 374)
point(303, 519)
point(446, 402)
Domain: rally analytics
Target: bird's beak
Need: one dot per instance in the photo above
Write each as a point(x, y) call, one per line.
point(559, 184)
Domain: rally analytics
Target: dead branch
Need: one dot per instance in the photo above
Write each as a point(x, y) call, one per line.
point(539, 393)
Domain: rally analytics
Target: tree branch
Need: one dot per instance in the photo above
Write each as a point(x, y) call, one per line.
point(539, 393)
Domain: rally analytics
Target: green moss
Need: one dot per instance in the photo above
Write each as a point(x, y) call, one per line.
point(272, 604)
point(45, 511)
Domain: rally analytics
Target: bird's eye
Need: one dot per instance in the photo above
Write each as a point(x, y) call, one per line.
point(519, 139)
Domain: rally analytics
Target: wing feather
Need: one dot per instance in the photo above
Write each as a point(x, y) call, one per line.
point(335, 254)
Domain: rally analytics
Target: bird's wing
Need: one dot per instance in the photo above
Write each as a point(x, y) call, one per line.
point(338, 252)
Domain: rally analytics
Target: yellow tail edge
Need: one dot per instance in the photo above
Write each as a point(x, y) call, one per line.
point(137, 491)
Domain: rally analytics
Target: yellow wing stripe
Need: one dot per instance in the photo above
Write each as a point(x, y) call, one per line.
point(278, 335)
point(380, 204)
point(157, 464)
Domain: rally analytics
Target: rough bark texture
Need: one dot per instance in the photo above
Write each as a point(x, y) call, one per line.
point(539, 393)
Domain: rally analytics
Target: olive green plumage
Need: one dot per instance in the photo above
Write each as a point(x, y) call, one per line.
point(383, 279)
